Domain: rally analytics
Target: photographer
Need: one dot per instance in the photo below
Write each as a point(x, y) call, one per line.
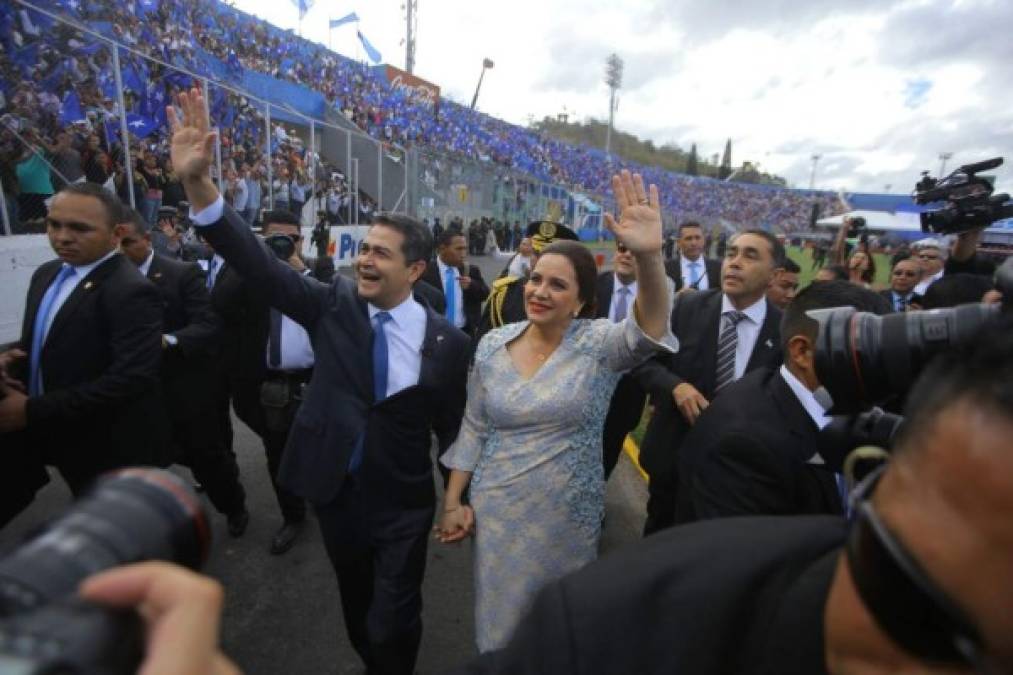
point(755, 450)
point(922, 583)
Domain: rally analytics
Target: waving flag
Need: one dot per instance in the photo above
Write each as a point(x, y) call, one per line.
point(70, 109)
point(139, 125)
point(374, 55)
point(348, 18)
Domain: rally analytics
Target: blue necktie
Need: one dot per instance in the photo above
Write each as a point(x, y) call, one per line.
point(379, 381)
point(39, 329)
point(211, 273)
point(694, 275)
point(451, 293)
point(842, 489)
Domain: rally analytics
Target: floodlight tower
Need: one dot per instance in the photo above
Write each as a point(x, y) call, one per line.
point(614, 80)
point(944, 157)
point(815, 158)
point(411, 8)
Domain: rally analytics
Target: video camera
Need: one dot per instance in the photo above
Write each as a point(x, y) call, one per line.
point(282, 245)
point(863, 359)
point(970, 203)
point(130, 515)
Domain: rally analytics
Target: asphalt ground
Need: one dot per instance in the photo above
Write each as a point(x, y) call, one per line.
point(282, 613)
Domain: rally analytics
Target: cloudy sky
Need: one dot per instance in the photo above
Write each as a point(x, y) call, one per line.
point(879, 88)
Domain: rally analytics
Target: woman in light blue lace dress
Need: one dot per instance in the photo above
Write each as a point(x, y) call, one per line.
point(530, 444)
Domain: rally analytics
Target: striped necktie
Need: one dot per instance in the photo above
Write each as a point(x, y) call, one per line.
point(727, 343)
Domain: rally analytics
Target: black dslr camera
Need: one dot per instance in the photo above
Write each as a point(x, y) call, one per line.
point(129, 516)
point(856, 226)
point(970, 203)
point(282, 244)
point(864, 360)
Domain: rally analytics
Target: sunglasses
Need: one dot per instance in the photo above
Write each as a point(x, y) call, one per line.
point(905, 602)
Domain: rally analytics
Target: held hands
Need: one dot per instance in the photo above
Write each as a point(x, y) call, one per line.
point(639, 226)
point(689, 401)
point(455, 524)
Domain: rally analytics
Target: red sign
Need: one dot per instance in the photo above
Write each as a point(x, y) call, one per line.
point(427, 92)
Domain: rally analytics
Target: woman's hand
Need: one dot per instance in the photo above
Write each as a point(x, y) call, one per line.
point(639, 226)
point(455, 524)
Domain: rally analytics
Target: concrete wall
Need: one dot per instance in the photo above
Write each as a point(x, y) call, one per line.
point(19, 256)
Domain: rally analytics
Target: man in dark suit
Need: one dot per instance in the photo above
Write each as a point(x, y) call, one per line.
point(690, 268)
point(755, 451)
point(388, 373)
point(905, 275)
point(723, 333)
point(82, 384)
point(918, 583)
point(191, 344)
point(615, 293)
point(463, 293)
point(784, 287)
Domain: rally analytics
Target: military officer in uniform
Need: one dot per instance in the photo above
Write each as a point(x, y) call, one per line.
point(506, 300)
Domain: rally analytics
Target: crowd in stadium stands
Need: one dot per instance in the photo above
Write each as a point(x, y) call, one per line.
point(43, 61)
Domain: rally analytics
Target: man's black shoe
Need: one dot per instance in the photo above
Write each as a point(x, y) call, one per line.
point(238, 522)
point(284, 538)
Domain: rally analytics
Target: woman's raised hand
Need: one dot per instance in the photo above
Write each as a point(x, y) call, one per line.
point(639, 226)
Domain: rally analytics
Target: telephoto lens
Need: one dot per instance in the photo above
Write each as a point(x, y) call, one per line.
point(282, 245)
point(131, 515)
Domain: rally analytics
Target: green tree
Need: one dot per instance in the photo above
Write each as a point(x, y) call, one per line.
point(726, 161)
point(691, 163)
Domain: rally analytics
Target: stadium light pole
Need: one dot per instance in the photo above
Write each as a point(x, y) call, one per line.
point(614, 80)
point(486, 65)
point(944, 157)
point(812, 177)
point(411, 10)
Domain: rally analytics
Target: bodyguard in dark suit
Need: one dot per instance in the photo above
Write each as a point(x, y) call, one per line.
point(691, 268)
point(722, 335)
point(90, 351)
point(447, 275)
point(904, 276)
point(388, 373)
point(755, 451)
point(191, 345)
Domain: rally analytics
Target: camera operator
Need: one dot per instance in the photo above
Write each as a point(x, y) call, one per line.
point(754, 451)
point(904, 276)
point(922, 582)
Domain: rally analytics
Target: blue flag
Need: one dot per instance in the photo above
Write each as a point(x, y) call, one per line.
point(139, 125)
point(348, 18)
point(374, 55)
point(144, 7)
point(70, 109)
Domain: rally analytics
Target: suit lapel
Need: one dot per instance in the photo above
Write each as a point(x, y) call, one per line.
point(711, 316)
point(432, 349)
point(766, 344)
point(84, 289)
point(35, 296)
point(605, 289)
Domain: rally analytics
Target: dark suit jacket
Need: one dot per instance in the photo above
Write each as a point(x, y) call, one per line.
point(887, 295)
point(629, 397)
point(696, 319)
point(187, 315)
point(245, 320)
point(102, 406)
point(426, 294)
point(339, 403)
point(737, 596)
point(747, 456)
point(673, 268)
point(474, 295)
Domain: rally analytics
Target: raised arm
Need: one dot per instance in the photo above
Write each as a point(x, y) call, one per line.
point(295, 295)
point(639, 229)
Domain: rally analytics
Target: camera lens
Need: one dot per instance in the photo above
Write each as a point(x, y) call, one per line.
point(129, 516)
point(282, 245)
point(863, 359)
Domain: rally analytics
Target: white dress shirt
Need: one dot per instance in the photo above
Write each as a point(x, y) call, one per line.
point(520, 266)
point(631, 295)
point(924, 284)
point(459, 318)
point(688, 272)
point(69, 284)
point(748, 330)
point(814, 406)
point(145, 266)
point(405, 332)
point(296, 349)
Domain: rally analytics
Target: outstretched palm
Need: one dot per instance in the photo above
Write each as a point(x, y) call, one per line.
point(193, 144)
point(639, 226)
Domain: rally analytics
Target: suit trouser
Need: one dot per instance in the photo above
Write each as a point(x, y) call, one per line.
point(661, 495)
point(379, 558)
point(202, 441)
point(246, 401)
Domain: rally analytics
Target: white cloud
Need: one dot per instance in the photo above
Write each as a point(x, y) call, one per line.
point(785, 81)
